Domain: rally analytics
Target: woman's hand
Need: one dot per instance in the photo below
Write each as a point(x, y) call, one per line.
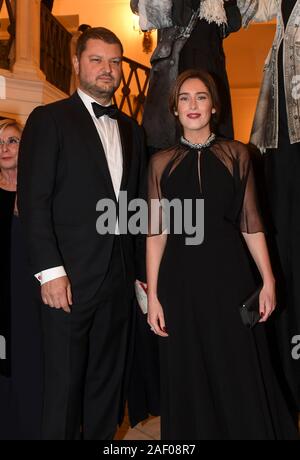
point(257, 246)
point(267, 301)
point(156, 318)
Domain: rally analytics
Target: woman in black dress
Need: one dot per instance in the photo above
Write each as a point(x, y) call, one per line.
point(216, 379)
point(20, 372)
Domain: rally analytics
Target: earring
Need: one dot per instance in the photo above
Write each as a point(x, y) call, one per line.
point(213, 111)
point(176, 113)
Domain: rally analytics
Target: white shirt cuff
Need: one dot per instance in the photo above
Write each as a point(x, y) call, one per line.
point(51, 274)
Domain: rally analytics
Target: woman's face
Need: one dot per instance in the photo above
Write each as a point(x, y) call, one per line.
point(195, 106)
point(9, 148)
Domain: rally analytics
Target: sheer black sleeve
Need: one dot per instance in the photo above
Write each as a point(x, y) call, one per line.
point(244, 211)
point(250, 219)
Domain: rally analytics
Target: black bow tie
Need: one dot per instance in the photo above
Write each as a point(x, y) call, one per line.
point(111, 110)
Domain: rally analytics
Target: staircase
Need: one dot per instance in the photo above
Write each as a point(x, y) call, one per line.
point(35, 63)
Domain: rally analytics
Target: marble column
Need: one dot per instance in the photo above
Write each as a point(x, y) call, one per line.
point(27, 58)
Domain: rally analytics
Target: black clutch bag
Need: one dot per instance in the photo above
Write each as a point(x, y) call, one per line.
point(250, 309)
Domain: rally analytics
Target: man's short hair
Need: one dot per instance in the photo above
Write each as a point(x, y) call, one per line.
point(96, 33)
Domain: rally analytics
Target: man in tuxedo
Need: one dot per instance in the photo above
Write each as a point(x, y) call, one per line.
point(74, 153)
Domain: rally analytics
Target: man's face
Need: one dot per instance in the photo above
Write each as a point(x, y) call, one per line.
point(99, 69)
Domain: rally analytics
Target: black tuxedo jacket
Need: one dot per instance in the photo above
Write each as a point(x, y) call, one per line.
point(63, 173)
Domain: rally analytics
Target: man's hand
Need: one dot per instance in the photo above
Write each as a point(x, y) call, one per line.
point(57, 294)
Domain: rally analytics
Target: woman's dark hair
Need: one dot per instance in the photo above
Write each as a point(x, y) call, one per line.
point(207, 80)
point(96, 33)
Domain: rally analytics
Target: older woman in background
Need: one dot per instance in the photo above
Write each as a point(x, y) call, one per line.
point(20, 371)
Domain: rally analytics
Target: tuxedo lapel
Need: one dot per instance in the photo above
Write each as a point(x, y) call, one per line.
point(84, 123)
point(126, 137)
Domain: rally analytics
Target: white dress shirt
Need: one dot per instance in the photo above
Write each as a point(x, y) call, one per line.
point(109, 134)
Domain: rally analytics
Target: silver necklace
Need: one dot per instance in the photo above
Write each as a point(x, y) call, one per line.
point(207, 143)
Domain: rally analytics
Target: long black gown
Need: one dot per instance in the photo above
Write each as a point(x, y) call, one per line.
point(282, 169)
point(216, 379)
point(21, 378)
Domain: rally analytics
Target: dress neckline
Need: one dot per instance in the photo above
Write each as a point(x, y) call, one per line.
point(206, 144)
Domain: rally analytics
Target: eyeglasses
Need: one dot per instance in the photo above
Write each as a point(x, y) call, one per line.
point(11, 141)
